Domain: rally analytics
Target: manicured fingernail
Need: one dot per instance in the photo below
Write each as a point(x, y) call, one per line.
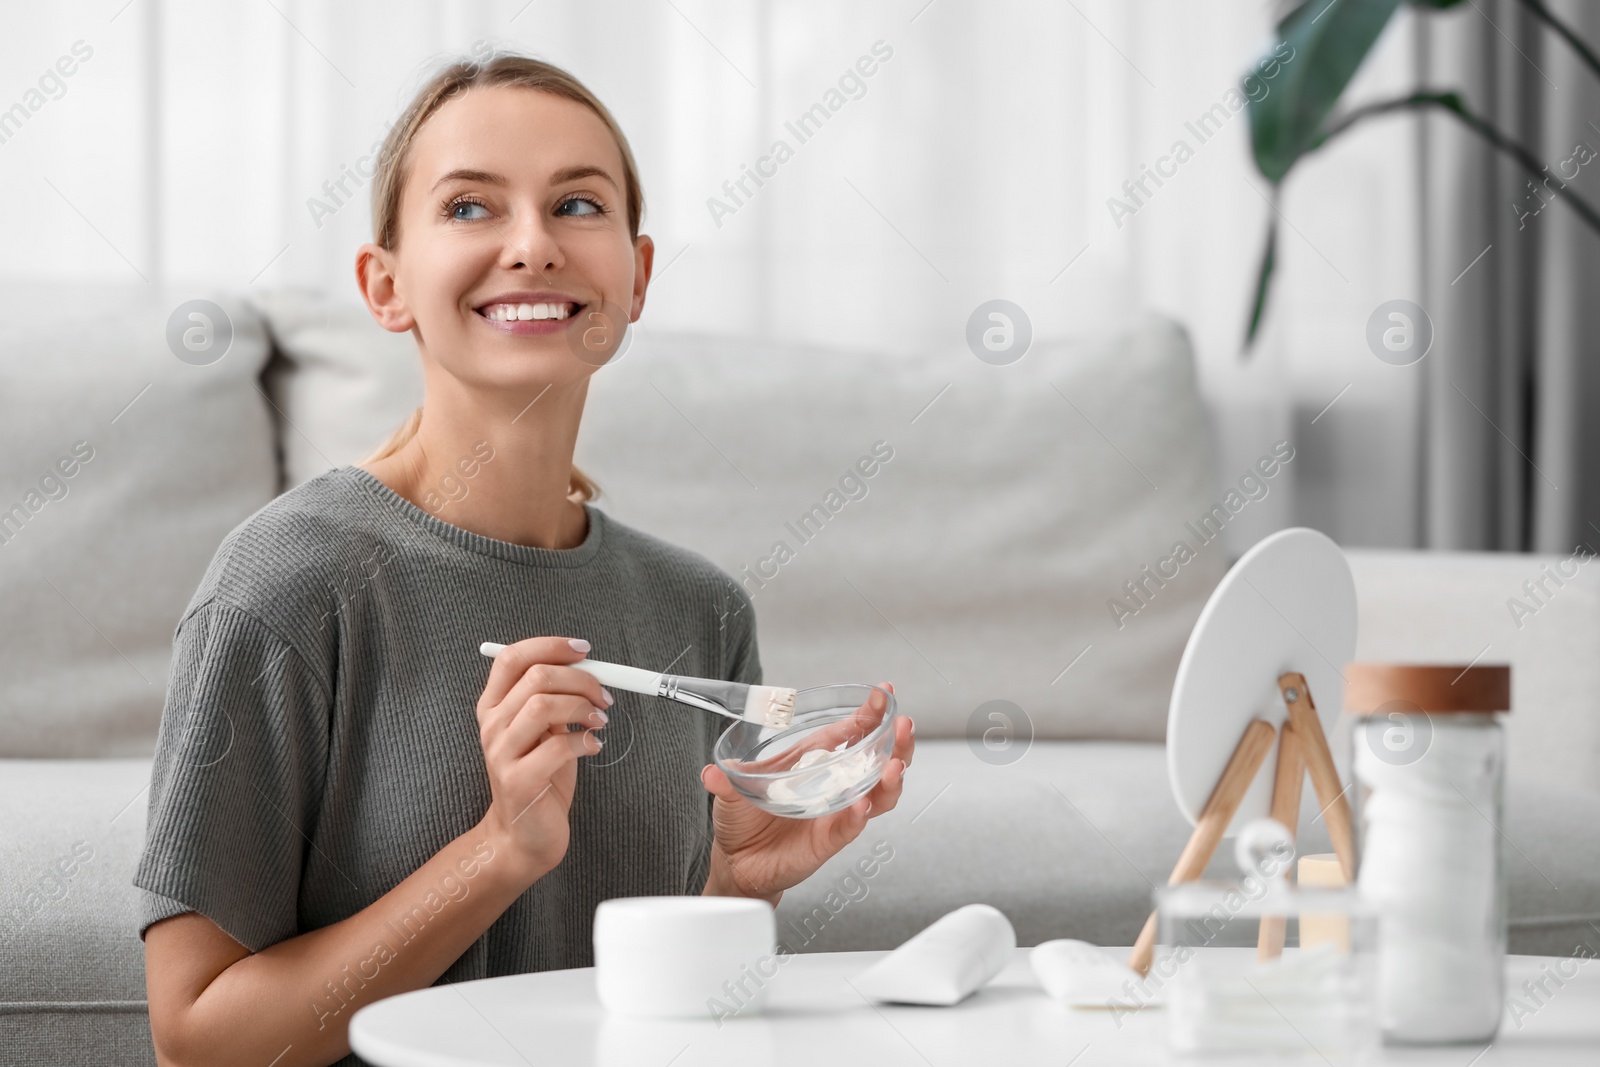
point(598, 742)
point(869, 808)
point(578, 644)
point(599, 718)
point(607, 694)
point(913, 725)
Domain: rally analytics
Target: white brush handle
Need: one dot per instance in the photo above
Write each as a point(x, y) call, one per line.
point(620, 675)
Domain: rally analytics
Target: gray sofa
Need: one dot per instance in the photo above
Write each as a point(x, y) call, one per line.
point(975, 568)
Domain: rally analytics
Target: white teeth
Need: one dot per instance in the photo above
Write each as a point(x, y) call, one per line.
point(526, 312)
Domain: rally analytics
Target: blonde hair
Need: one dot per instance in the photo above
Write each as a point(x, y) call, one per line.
point(501, 69)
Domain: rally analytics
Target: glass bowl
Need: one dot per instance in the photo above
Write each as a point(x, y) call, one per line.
point(831, 756)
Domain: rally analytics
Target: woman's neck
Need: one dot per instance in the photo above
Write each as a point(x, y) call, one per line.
point(501, 470)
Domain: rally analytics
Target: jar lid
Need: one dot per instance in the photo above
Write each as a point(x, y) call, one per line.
point(1434, 688)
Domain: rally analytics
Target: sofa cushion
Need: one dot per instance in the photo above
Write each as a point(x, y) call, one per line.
point(122, 467)
point(72, 989)
point(954, 527)
point(1071, 840)
point(341, 382)
point(975, 565)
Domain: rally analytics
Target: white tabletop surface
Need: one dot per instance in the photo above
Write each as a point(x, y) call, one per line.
point(813, 1017)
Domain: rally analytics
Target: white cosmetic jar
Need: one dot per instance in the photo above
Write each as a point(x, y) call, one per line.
point(682, 957)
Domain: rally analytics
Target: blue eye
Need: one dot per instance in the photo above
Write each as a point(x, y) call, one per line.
point(594, 206)
point(460, 205)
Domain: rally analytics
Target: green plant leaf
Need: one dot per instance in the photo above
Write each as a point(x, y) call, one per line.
point(1264, 278)
point(1329, 39)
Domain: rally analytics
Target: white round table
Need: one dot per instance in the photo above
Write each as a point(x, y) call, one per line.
point(813, 1016)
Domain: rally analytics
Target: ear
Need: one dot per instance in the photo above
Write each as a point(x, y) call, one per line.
point(644, 254)
point(375, 277)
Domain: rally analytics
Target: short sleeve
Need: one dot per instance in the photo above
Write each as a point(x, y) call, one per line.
point(236, 781)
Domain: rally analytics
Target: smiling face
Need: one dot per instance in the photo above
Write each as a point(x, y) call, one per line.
point(513, 238)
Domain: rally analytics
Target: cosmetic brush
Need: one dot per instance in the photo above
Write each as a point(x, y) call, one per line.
point(764, 705)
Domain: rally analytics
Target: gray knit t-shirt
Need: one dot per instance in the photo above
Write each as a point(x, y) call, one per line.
point(319, 741)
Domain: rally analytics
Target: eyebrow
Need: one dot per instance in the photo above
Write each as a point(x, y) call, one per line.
point(572, 174)
point(560, 177)
point(463, 175)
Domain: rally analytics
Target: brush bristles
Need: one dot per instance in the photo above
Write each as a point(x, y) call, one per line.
point(771, 705)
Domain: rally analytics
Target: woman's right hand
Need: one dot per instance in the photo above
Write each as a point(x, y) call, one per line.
point(532, 694)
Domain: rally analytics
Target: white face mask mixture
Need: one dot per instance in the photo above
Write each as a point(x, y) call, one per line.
point(814, 793)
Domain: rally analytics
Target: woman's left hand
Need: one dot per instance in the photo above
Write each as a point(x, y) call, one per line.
point(758, 854)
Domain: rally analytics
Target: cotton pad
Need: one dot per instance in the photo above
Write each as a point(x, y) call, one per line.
point(1080, 975)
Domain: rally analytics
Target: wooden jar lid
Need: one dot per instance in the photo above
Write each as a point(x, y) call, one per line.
point(1431, 688)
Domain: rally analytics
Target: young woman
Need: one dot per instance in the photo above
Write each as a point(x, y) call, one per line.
point(348, 801)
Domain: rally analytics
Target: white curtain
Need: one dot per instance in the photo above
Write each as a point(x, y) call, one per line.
point(978, 161)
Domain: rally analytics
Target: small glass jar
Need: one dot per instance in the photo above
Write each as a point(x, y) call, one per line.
point(1428, 763)
point(1260, 968)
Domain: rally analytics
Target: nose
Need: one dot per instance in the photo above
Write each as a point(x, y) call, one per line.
point(529, 242)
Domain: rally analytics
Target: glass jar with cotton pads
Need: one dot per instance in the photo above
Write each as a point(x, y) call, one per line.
point(1240, 973)
point(1428, 754)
